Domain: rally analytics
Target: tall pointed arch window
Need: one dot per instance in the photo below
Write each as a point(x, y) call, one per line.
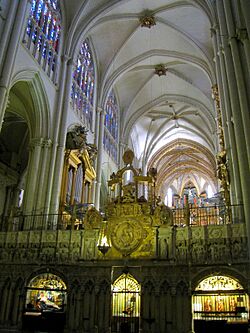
point(82, 94)
point(43, 32)
point(111, 126)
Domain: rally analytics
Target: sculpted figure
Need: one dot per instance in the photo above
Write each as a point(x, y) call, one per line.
point(165, 214)
point(77, 138)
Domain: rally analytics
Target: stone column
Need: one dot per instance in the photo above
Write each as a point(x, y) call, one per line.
point(101, 310)
point(99, 159)
point(245, 6)
point(236, 192)
point(41, 193)
point(32, 180)
point(237, 120)
point(238, 70)
point(242, 9)
point(15, 306)
point(96, 308)
point(17, 14)
point(61, 131)
point(107, 310)
point(71, 310)
point(4, 298)
point(174, 309)
point(9, 302)
point(86, 308)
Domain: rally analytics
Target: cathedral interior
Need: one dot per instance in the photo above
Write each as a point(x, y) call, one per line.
point(124, 166)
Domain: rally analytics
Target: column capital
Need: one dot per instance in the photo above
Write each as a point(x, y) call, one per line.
point(66, 58)
point(36, 142)
point(47, 143)
point(214, 29)
point(100, 110)
point(241, 34)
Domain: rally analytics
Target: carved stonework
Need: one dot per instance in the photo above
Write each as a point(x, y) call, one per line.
point(147, 21)
point(127, 235)
point(222, 166)
point(77, 138)
point(93, 218)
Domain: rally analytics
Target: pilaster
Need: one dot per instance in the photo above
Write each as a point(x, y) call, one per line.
point(99, 159)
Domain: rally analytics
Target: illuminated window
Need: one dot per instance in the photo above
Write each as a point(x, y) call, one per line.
point(126, 297)
point(222, 298)
point(210, 193)
point(43, 33)
point(169, 198)
point(82, 93)
point(111, 126)
point(46, 292)
point(125, 304)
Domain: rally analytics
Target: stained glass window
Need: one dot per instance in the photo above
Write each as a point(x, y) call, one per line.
point(111, 126)
point(82, 93)
point(42, 35)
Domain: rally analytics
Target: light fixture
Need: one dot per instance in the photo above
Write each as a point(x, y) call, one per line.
point(103, 241)
point(147, 21)
point(160, 70)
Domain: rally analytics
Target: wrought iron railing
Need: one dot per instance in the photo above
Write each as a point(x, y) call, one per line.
point(62, 221)
point(195, 216)
point(209, 215)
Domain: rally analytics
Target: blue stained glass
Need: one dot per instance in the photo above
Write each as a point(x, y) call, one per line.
point(38, 11)
point(33, 7)
point(34, 35)
point(84, 78)
point(44, 28)
point(111, 126)
point(29, 26)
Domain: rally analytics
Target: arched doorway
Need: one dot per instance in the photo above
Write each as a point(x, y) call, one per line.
point(221, 304)
point(45, 304)
point(125, 304)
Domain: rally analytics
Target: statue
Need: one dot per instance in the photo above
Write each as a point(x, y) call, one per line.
point(164, 213)
point(128, 193)
point(223, 175)
point(92, 150)
point(77, 138)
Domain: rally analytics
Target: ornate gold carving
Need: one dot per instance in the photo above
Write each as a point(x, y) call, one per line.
point(93, 218)
point(164, 215)
point(127, 235)
point(222, 167)
point(128, 157)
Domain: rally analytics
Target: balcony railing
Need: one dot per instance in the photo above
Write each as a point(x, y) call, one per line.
point(41, 222)
point(197, 216)
point(210, 215)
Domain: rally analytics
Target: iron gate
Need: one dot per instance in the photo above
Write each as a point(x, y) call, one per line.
point(125, 305)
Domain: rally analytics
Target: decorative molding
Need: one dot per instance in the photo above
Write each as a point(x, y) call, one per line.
point(160, 70)
point(147, 21)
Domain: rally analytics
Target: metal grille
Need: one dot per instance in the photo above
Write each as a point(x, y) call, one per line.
point(125, 305)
